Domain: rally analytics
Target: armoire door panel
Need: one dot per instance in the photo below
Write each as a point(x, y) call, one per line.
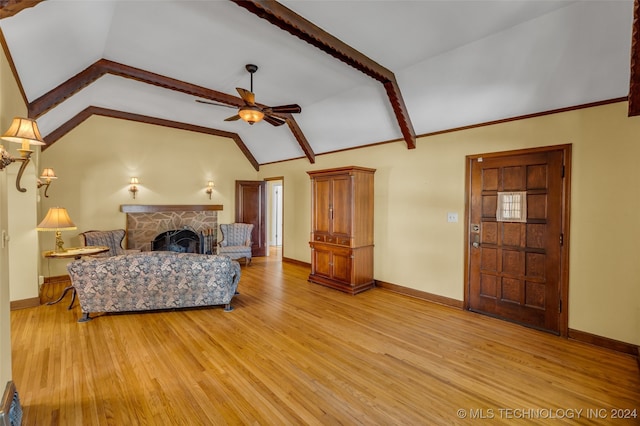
point(322, 206)
point(321, 261)
point(342, 206)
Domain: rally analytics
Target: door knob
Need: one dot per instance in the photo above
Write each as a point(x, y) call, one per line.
point(476, 241)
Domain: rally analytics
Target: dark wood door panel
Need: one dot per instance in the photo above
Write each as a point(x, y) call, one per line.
point(515, 266)
point(251, 208)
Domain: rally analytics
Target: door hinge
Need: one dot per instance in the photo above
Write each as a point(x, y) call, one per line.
point(562, 171)
point(561, 239)
point(560, 306)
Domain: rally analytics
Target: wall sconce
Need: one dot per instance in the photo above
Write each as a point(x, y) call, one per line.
point(48, 175)
point(133, 186)
point(24, 131)
point(209, 189)
point(57, 219)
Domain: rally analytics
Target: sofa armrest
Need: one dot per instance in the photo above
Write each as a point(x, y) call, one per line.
point(236, 274)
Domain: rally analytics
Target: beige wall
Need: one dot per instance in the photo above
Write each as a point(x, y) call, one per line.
point(415, 189)
point(95, 162)
point(19, 256)
point(5, 304)
point(22, 206)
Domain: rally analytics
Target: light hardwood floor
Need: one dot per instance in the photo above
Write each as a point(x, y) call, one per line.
point(298, 353)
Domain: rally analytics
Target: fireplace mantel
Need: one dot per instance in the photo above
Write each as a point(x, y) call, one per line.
point(154, 208)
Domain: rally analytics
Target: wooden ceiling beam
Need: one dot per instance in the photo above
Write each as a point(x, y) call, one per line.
point(302, 140)
point(634, 81)
point(105, 112)
point(104, 66)
point(9, 8)
point(288, 20)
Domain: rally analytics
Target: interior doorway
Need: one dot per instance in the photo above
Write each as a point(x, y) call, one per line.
point(275, 216)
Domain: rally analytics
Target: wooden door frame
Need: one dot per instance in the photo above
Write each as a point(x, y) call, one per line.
point(563, 323)
point(281, 179)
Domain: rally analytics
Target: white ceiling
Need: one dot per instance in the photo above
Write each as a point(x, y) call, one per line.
point(457, 63)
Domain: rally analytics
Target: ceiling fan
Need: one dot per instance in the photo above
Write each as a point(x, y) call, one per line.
point(253, 113)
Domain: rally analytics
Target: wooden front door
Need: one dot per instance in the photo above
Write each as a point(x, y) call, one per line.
point(517, 211)
point(251, 208)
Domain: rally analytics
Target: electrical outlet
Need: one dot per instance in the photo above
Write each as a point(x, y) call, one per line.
point(452, 217)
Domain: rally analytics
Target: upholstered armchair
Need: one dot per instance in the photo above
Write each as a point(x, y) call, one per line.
point(112, 239)
point(236, 241)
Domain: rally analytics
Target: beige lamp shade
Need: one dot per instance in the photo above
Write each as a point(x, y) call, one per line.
point(48, 173)
point(24, 131)
point(57, 219)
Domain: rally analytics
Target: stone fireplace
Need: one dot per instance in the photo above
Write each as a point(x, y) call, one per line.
point(147, 222)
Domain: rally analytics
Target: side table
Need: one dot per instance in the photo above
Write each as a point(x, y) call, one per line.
point(76, 253)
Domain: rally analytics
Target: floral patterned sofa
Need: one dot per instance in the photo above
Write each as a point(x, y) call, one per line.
point(153, 280)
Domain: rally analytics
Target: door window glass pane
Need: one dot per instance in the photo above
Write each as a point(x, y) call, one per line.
point(512, 207)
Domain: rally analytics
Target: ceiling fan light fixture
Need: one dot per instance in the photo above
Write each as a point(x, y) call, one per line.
point(251, 114)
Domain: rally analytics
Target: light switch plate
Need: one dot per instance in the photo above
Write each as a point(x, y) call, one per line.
point(452, 217)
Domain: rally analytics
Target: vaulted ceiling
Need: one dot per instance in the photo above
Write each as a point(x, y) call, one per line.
point(364, 72)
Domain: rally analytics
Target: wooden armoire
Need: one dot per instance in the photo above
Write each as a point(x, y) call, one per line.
point(342, 228)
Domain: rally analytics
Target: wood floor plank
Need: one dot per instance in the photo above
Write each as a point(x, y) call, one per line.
point(298, 353)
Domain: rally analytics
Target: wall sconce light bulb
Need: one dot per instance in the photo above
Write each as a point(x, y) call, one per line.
point(133, 186)
point(209, 189)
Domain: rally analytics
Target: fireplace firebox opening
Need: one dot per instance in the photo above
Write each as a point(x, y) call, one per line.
point(184, 240)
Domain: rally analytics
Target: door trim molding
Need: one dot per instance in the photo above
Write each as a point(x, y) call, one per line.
point(563, 323)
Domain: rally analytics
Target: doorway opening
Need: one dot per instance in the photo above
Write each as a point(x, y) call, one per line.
point(275, 216)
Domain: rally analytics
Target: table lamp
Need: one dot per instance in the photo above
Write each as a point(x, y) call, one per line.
point(57, 219)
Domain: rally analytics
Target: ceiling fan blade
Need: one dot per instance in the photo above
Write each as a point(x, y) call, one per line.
point(247, 96)
point(285, 109)
point(274, 121)
point(215, 103)
point(233, 118)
